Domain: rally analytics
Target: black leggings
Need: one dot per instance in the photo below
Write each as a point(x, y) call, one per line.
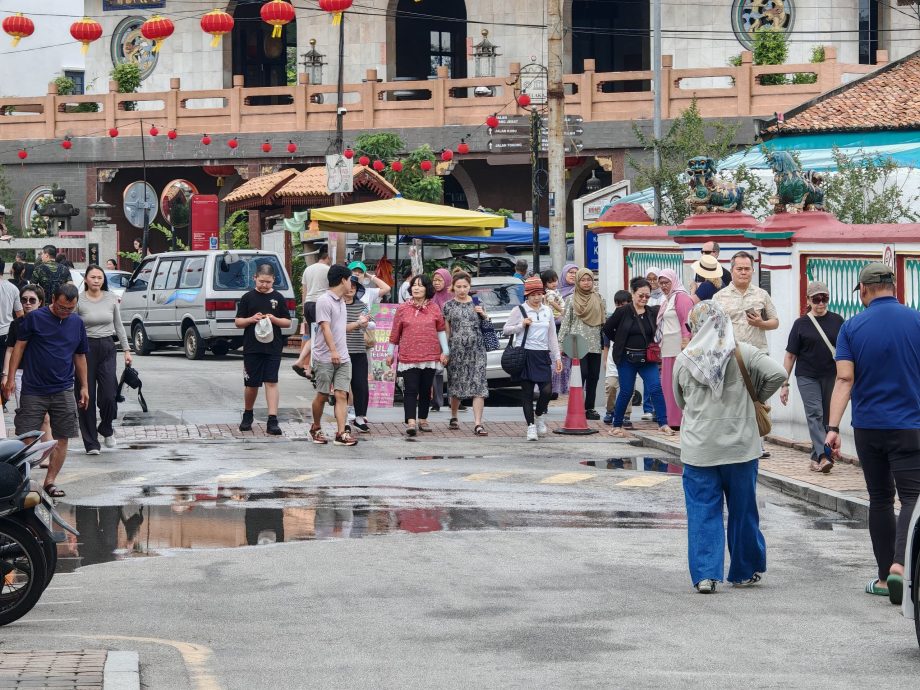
point(546, 392)
point(360, 392)
point(417, 393)
point(590, 372)
point(890, 458)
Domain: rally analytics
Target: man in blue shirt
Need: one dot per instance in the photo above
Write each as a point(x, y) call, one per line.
point(878, 367)
point(56, 344)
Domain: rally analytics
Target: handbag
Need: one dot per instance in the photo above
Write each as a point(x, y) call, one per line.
point(652, 349)
point(488, 334)
point(761, 410)
point(513, 356)
point(369, 339)
point(823, 335)
point(130, 378)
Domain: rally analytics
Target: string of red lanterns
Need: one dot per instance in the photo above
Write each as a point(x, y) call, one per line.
point(336, 8)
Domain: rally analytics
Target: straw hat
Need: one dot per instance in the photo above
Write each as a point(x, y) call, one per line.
point(708, 267)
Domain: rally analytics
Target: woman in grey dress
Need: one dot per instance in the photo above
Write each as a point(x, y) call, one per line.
point(466, 370)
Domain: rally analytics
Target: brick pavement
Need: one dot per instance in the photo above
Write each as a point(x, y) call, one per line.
point(53, 669)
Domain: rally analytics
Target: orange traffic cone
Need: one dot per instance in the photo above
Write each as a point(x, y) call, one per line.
point(576, 424)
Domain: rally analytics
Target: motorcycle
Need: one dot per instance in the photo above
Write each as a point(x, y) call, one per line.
point(28, 540)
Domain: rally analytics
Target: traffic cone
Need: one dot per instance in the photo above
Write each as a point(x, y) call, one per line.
point(576, 424)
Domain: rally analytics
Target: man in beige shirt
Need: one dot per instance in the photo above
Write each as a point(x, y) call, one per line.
point(749, 307)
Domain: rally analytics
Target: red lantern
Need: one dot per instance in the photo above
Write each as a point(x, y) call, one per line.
point(425, 165)
point(157, 29)
point(447, 155)
point(292, 147)
point(463, 148)
point(67, 144)
point(233, 143)
point(217, 23)
point(23, 154)
point(205, 140)
point(277, 13)
point(172, 134)
point(113, 132)
point(266, 147)
point(154, 131)
point(86, 31)
point(492, 122)
point(523, 100)
point(18, 26)
point(364, 160)
point(348, 153)
point(220, 172)
point(336, 7)
point(379, 165)
point(396, 166)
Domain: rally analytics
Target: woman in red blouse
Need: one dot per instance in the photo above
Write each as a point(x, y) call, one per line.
point(418, 342)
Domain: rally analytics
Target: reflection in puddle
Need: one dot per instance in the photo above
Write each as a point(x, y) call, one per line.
point(638, 464)
point(234, 517)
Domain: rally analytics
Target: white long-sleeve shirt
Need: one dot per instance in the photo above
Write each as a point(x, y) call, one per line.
point(542, 333)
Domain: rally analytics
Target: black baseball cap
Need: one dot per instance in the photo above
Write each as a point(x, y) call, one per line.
point(875, 273)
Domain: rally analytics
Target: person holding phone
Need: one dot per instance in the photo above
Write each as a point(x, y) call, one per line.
point(466, 370)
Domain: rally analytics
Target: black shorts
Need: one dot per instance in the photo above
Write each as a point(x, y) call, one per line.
point(259, 368)
point(309, 317)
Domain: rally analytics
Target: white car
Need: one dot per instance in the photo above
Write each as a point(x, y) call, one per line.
point(118, 280)
point(910, 604)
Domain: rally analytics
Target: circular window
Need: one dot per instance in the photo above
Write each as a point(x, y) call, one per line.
point(128, 45)
point(33, 224)
point(749, 16)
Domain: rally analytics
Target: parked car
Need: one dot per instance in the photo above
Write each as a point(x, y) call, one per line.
point(490, 265)
point(910, 604)
point(118, 280)
point(190, 299)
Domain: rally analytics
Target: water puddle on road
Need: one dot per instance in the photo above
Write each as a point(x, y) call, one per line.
point(637, 464)
point(201, 519)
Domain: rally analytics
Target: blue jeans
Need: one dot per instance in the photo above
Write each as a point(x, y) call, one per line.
point(651, 380)
point(704, 489)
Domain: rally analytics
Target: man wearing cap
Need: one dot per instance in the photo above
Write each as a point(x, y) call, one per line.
point(374, 288)
point(811, 350)
point(878, 367)
point(262, 312)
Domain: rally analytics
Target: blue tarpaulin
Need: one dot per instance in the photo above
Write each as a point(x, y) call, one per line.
point(517, 232)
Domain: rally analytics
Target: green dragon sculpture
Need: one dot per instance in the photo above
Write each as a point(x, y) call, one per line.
point(795, 190)
point(708, 193)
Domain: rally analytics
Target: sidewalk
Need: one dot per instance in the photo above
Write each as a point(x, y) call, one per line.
point(77, 669)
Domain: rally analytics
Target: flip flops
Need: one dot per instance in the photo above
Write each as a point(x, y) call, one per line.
point(873, 588)
point(895, 589)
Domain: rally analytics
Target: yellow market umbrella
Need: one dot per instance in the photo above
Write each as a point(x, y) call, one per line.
point(399, 216)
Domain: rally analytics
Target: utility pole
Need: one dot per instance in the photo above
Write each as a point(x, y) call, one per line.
point(555, 130)
point(656, 115)
point(337, 198)
point(535, 186)
point(146, 236)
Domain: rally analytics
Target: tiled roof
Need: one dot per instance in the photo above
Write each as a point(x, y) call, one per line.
point(625, 214)
point(888, 98)
point(260, 186)
point(312, 183)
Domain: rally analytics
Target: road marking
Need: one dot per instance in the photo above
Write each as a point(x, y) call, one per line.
point(439, 470)
point(645, 481)
point(568, 478)
point(240, 476)
point(57, 603)
point(486, 476)
point(311, 475)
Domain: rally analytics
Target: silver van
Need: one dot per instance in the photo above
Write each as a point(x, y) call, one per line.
point(190, 299)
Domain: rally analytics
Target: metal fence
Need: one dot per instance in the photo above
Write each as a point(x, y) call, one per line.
point(911, 282)
point(638, 262)
point(840, 276)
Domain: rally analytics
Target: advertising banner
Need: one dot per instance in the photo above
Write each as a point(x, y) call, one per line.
point(382, 381)
point(204, 222)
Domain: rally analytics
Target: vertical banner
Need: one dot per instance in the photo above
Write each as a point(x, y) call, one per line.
point(382, 381)
point(204, 222)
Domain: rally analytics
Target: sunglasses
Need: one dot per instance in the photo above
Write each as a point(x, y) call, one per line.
point(30, 300)
point(707, 251)
point(820, 299)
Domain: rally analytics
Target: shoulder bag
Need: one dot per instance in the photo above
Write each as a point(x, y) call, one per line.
point(761, 410)
point(823, 335)
point(487, 335)
point(513, 355)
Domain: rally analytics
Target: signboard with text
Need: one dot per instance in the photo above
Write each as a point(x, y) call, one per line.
point(204, 226)
point(381, 379)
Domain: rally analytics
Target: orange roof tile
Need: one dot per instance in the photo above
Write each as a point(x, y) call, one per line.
point(888, 98)
point(312, 183)
point(259, 186)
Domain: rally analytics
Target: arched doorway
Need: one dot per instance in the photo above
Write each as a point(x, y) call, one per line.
point(616, 35)
point(259, 58)
point(429, 35)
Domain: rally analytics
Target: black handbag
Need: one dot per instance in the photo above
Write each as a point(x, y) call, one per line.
point(513, 356)
point(130, 378)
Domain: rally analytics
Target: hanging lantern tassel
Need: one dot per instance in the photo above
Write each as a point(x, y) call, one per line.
point(217, 23)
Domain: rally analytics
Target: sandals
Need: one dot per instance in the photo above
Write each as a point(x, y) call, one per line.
point(53, 491)
point(299, 370)
point(423, 426)
point(617, 432)
point(895, 589)
point(454, 424)
point(873, 588)
point(825, 466)
point(480, 430)
point(666, 430)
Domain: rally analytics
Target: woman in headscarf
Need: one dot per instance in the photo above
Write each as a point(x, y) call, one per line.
point(651, 275)
point(584, 315)
point(720, 447)
point(673, 335)
point(442, 281)
point(565, 289)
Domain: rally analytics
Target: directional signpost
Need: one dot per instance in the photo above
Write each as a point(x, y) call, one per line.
point(513, 134)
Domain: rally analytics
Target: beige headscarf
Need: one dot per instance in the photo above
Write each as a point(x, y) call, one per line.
point(588, 306)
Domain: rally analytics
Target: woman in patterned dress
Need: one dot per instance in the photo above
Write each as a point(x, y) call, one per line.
point(466, 370)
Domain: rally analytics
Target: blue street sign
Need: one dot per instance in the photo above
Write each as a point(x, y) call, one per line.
point(591, 256)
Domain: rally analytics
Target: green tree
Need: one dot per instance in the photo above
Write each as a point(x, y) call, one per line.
point(127, 75)
point(771, 48)
point(688, 137)
point(412, 182)
point(867, 189)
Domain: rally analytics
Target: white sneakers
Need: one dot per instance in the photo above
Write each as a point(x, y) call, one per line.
point(109, 441)
point(532, 433)
point(647, 417)
point(541, 425)
point(94, 451)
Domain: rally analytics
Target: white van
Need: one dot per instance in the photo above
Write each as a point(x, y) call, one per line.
point(190, 299)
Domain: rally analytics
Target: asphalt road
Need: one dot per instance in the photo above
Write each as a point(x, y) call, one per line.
point(438, 565)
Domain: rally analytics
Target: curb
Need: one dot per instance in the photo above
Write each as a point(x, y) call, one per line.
point(848, 506)
point(122, 671)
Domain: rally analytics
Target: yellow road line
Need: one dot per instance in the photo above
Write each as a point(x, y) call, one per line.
point(486, 476)
point(239, 476)
point(646, 480)
point(568, 478)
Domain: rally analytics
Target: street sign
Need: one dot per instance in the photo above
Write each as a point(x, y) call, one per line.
point(510, 145)
point(511, 131)
point(534, 83)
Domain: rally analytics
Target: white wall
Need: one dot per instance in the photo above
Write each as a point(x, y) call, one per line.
point(27, 69)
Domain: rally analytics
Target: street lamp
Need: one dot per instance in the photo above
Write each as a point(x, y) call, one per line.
point(484, 54)
point(313, 63)
point(593, 183)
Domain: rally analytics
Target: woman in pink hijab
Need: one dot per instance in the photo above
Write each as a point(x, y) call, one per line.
point(441, 279)
point(673, 335)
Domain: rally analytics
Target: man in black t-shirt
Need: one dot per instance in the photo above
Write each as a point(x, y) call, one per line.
point(262, 312)
point(815, 368)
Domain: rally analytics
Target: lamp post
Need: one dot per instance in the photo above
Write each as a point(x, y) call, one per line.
point(313, 63)
point(484, 54)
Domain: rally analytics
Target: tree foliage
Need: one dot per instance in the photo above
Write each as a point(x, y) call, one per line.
point(870, 190)
point(691, 136)
point(411, 181)
point(127, 75)
point(771, 48)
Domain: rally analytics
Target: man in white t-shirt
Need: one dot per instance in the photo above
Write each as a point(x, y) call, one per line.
point(10, 309)
point(315, 283)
